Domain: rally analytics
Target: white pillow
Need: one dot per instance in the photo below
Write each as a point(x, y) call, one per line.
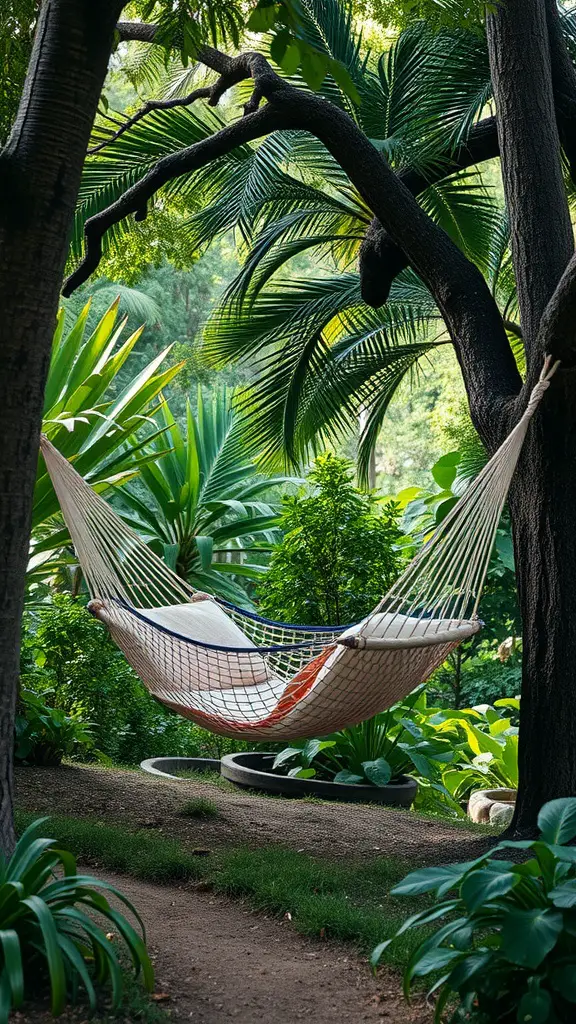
point(205, 621)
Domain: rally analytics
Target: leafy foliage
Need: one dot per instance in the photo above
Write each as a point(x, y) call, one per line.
point(91, 418)
point(198, 503)
point(17, 21)
point(505, 930)
point(375, 752)
point(69, 656)
point(338, 555)
point(49, 928)
point(45, 734)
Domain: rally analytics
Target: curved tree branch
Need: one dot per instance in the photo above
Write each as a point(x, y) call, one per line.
point(464, 299)
point(381, 260)
point(557, 334)
point(149, 106)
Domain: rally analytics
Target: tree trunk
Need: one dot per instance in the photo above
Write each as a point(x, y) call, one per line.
point(543, 504)
point(40, 170)
point(542, 237)
point(542, 498)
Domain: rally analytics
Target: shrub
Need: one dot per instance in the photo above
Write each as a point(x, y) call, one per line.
point(47, 936)
point(506, 944)
point(379, 751)
point(45, 734)
point(66, 651)
point(338, 555)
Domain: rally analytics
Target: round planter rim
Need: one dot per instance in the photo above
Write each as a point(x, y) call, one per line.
point(401, 793)
point(193, 763)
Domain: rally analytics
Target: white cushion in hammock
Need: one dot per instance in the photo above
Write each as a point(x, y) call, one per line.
point(204, 621)
point(393, 626)
point(207, 623)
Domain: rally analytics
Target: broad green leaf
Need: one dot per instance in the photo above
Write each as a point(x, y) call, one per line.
point(482, 886)
point(557, 820)
point(445, 469)
point(348, 778)
point(529, 935)
point(535, 1007)
point(377, 772)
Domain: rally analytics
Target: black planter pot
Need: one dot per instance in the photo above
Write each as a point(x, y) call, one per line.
point(252, 771)
point(166, 766)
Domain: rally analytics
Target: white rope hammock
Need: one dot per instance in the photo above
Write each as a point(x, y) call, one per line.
point(239, 674)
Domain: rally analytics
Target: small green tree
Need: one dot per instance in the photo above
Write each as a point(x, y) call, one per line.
point(338, 555)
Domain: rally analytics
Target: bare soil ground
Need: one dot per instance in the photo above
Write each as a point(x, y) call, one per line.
point(136, 800)
point(216, 962)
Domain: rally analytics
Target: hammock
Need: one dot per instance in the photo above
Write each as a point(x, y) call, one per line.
point(238, 674)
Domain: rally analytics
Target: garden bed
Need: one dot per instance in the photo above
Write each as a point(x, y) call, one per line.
point(252, 771)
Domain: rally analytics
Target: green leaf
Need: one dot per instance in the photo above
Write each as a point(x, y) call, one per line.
point(564, 981)
point(290, 61)
point(535, 1007)
point(314, 66)
point(377, 772)
point(278, 46)
point(288, 754)
point(376, 955)
point(564, 895)
point(348, 778)
point(262, 18)
point(444, 471)
point(529, 935)
point(437, 879)
point(557, 820)
point(483, 885)
point(434, 960)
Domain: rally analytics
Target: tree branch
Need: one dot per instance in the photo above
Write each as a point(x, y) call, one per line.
point(463, 297)
point(135, 200)
point(149, 106)
point(381, 260)
point(558, 325)
point(136, 31)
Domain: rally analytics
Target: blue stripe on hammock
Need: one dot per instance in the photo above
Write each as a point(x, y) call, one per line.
point(216, 647)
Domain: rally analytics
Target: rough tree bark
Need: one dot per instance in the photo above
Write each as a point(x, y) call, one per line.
point(543, 495)
point(40, 170)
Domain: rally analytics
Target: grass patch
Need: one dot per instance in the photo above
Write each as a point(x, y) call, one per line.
point(347, 901)
point(200, 807)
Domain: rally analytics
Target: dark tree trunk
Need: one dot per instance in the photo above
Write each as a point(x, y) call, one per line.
point(542, 238)
point(40, 171)
point(543, 495)
point(543, 504)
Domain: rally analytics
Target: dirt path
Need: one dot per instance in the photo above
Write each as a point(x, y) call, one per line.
point(218, 962)
point(136, 800)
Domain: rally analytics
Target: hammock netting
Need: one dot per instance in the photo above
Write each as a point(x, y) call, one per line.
point(236, 673)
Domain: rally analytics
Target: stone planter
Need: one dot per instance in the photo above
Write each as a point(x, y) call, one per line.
point(253, 771)
point(492, 806)
point(166, 766)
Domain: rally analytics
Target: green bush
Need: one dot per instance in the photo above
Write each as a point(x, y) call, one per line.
point(374, 752)
point(505, 946)
point(338, 556)
point(68, 652)
point(49, 931)
point(45, 734)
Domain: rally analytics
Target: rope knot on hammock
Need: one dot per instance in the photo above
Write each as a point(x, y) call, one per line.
point(237, 673)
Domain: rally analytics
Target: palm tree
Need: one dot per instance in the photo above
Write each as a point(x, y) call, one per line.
point(199, 502)
point(320, 357)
